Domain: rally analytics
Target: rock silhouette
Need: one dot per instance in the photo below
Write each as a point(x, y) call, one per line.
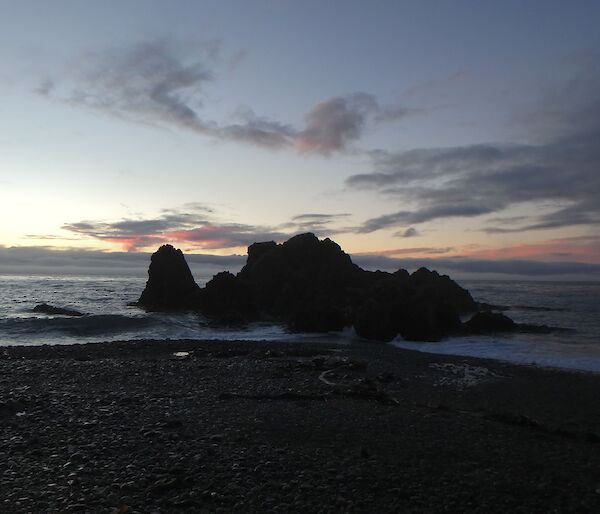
point(312, 285)
point(227, 301)
point(60, 311)
point(486, 322)
point(170, 284)
point(491, 322)
point(303, 282)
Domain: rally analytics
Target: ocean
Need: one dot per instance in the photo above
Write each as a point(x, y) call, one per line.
point(104, 300)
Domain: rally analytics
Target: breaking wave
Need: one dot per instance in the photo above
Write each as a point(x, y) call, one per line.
point(84, 326)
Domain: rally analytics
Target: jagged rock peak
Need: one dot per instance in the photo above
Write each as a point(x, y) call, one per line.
point(300, 251)
point(170, 282)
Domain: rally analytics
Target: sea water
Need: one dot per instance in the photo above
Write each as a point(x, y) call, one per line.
point(568, 305)
point(108, 317)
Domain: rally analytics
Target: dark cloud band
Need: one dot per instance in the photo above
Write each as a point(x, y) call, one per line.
point(558, 176)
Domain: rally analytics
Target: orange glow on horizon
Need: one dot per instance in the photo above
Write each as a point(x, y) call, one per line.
point(568, 249)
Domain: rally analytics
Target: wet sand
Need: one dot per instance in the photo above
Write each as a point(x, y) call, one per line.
point(289, 427)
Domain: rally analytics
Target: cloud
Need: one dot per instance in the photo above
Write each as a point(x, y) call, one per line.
point(49, 261)
point(69, 261)
point(194, 225)
point(321, 224)
point(558, 175)
point(472, 267)
point(568, 257)
point(409, 232)
point(422, 250)
point(44, 88)
point(147, 83)
point(319, 217)
point(210, 236)
point(334, 123)
point(257, 131)
point(331, 125)
point(156, 83)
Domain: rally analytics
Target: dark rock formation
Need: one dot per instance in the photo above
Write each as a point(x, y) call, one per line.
point(424, 306)
point(438, 288)
point(376, 320)
point(317, 315)
point(304, 282)
point(429, 319)
point(60, 311)
point(227, 301)
point(311, 285)
point(286, 275)
point(170, 284)
point(489, 322)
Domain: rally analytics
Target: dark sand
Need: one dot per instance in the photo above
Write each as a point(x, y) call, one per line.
point(265, 427)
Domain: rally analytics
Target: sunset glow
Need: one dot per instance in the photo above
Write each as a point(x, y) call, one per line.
point(408, 131)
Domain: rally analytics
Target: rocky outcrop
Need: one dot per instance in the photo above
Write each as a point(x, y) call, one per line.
point(227, 301)
point(441, 289)
point(317, 315)
point(489, 322)
point(312, 285)
point(170, 284)
point(376, 320)
point(304, 282)
point(429, 319)
point(44, 308)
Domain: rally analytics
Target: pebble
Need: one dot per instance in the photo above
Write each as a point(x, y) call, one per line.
point(156, 440)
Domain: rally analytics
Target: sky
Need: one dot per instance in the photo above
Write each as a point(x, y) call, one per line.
point(460, 135)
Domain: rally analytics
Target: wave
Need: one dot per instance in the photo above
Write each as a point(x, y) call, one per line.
point(539, 308)
point(89, 325)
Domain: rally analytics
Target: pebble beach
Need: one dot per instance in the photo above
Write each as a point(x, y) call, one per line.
point(191, 426)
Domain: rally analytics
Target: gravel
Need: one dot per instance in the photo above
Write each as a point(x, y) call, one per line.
point(195, 426)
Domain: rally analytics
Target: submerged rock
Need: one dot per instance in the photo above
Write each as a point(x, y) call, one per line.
point(170, 284)
point(59, 311)
point(489, 322)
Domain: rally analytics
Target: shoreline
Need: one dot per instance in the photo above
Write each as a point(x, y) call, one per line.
point(288, 426)
point(337, 339)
